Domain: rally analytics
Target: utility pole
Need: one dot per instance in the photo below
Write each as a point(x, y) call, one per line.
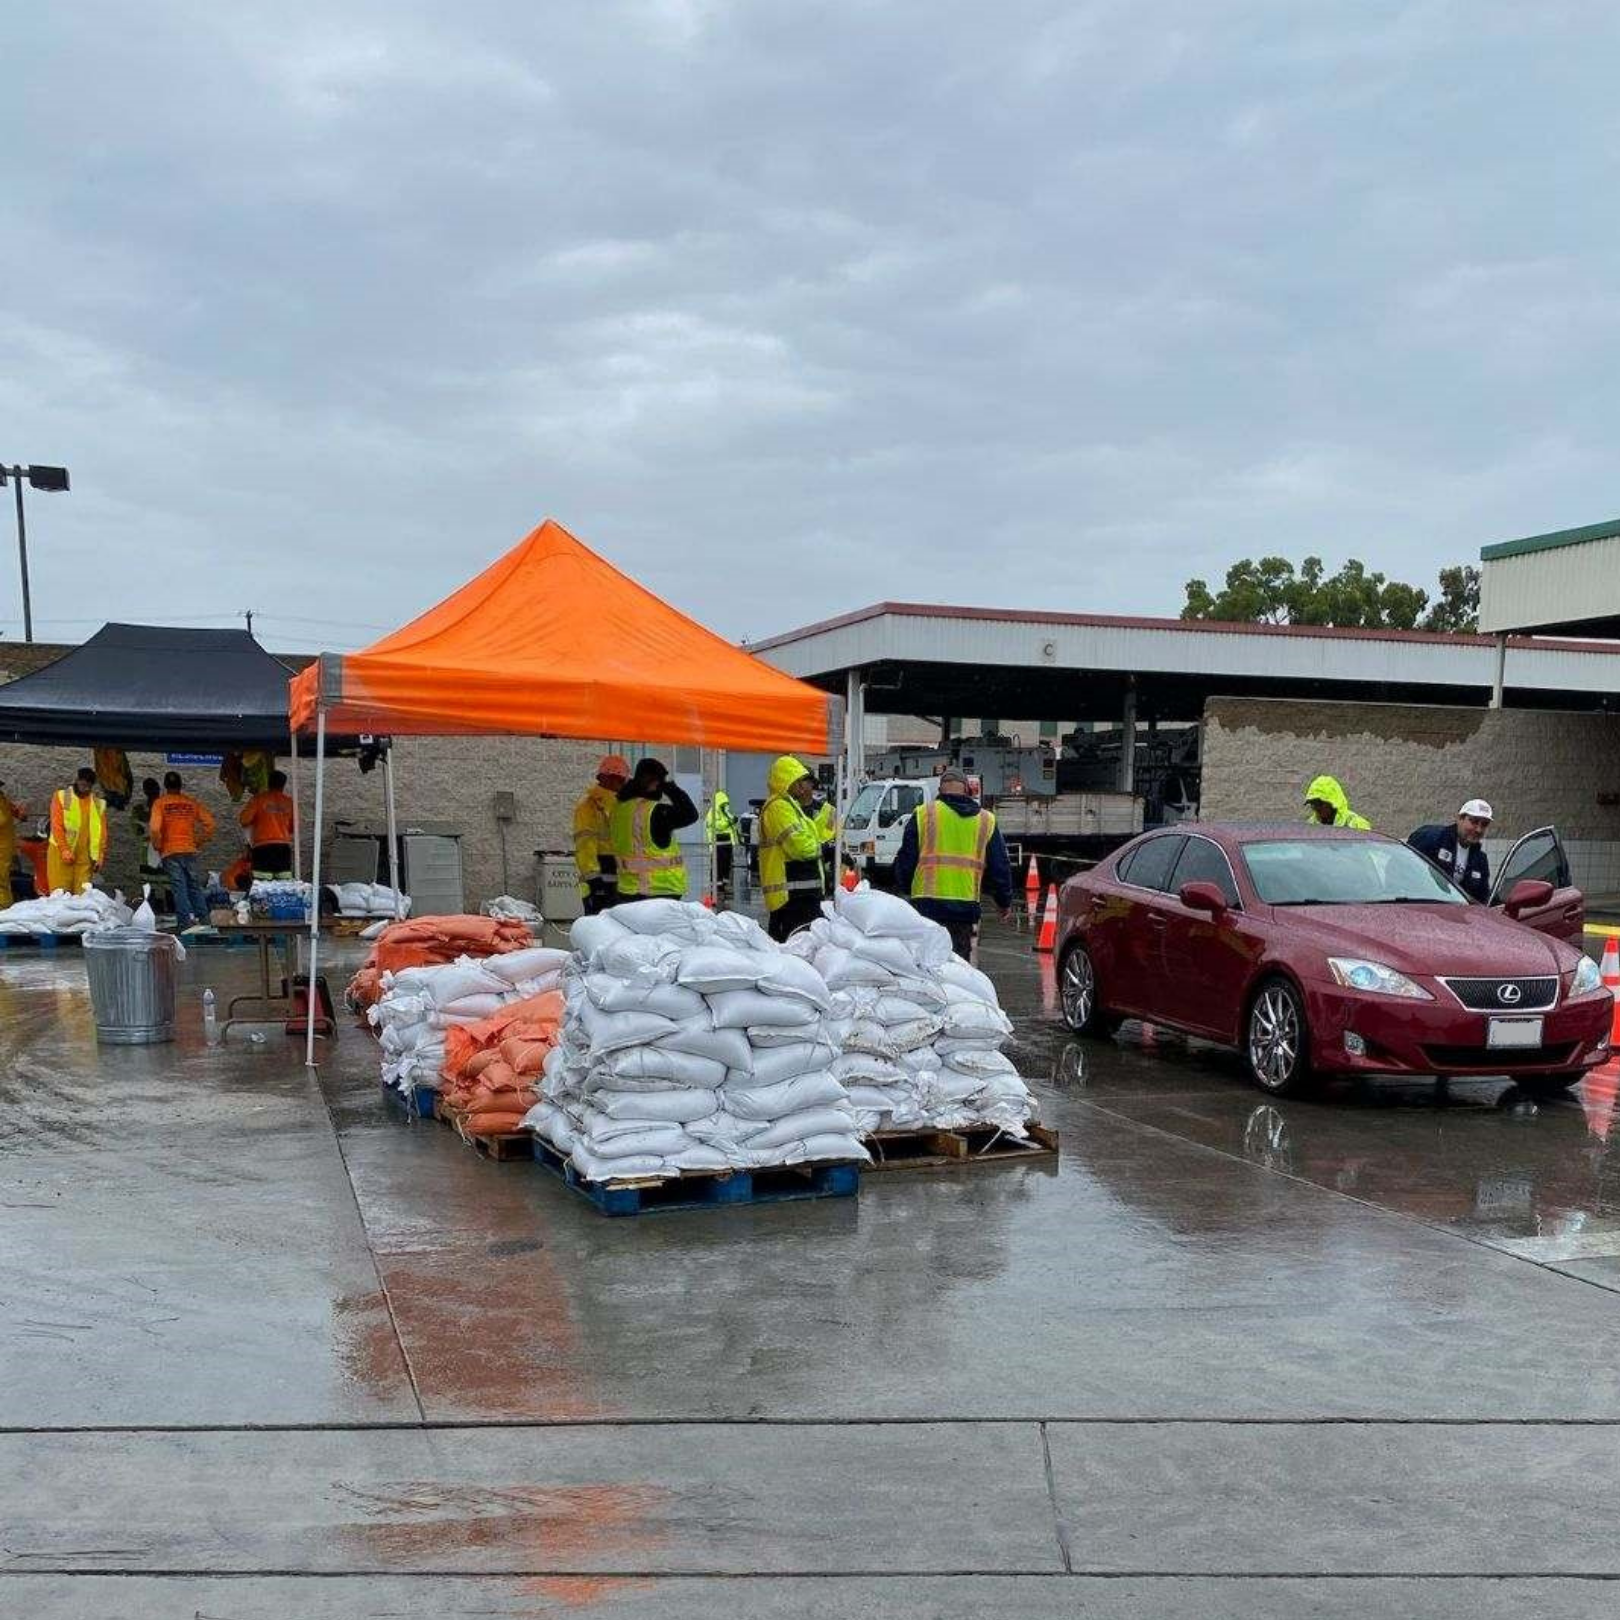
point(247, 613)
point(47, 478)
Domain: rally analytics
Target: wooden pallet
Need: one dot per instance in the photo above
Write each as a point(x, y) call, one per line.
point(703, 1189)
point(949, 1150)
point(500, 1146)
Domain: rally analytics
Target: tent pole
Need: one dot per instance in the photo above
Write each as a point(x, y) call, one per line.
point(315, 883)
point(298, 815)
point(393, 826)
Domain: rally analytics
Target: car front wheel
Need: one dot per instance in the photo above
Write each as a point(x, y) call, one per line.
point(1278, 1042)
point(1549, 1085)
point(1077, 991)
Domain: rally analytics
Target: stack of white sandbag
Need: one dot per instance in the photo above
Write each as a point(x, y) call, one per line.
point(922, 1048)
point(510, 909)
point(368, 900)
point(419, 1004)
point(692, 1042)
point(90, 912)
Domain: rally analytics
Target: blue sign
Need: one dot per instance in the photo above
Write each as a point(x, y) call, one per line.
point(193, 759)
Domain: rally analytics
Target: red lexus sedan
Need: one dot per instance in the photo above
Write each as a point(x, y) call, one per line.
point(1317, 951)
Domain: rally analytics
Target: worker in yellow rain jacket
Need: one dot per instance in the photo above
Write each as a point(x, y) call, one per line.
point(789, 850)
point(651, 807)
point(10, 813)
point(593, 835)
point(826, 819)
point(78, 834)
point(1327, 804)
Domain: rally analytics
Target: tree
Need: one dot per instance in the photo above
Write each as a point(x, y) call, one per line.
point(1271, 590)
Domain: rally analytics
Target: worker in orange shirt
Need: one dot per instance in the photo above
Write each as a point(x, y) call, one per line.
point(78, 835)
point(10, 813)
point(180, 826)
point(269, 818)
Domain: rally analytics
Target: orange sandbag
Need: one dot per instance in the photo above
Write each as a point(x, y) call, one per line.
point(525, 1054)
point(432, 942)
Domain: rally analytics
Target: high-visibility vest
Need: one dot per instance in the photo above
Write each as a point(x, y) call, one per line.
point(593, 835)
point(69, 802)
point(789, 852)
point(950, 853)
point(826, 820)
point(645, 867)
point(719, 822)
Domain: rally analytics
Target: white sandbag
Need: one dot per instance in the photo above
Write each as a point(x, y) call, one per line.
point(876, 914)
point(588, 935)
point(805, 1091)
point(774, 1035)
point(644, 994)
point(593, 1168)
point(799, 1127)
point(677, 1107)
point(772, 1064)
point(839, 1145)
point(622, 1139)
point(668, 917)
point(742, 932)
point(611, 1032)
point(798, 980)
point(744, 1009)
point(683, 1069)
point(896, 955)
point(845, 970)
point(644, 955)
point(728, 1047)
point(865, 1068)
point(967, 977)
point(980, 1062)
point(711, 968)
point(517, 966)
point(696, 1156)
point(967, 1020)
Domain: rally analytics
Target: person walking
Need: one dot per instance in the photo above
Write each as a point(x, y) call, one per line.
point(721, 827)
point(593, 835)
point(180, 827)
point(1327, 804)
point(10, 814)
point(1456, 848)
point(78, 846)
point(269, 818)
point(789, 850)
point(951, 852)
point(650, 809)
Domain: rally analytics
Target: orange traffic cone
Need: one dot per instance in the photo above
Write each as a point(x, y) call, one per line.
point(1032, 890)
point(1046, 940)
point(850, 881)
point(1609, 972)
point(708, 900)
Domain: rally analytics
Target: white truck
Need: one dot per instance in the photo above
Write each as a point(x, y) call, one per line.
point(1067, 830)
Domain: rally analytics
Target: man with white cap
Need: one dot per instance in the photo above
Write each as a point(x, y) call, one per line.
point(1457, 850)
point(593, 835)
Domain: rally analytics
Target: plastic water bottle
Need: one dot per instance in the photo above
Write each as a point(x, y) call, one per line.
point(210, 1019)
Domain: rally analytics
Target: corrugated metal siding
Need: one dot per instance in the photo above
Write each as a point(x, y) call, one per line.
point(1561, 585)
point(1031, 644)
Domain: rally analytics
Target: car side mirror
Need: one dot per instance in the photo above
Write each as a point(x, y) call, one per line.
point(1526, 895)
point(1202, 897)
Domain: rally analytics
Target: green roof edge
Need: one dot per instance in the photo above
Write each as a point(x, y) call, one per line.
point(1550, 542)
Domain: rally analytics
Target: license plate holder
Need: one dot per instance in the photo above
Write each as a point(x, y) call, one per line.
point(1511, 1033)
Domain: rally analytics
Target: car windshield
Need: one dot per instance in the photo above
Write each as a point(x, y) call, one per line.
point(1345, 872)
point(865, 807)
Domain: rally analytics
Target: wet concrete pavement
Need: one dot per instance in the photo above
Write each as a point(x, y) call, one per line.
point(274, 1349)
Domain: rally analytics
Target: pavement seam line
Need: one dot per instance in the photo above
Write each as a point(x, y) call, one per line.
point(1059, 1525)
point(1335, 1192)
point(365, 1233)
point(745, 1577)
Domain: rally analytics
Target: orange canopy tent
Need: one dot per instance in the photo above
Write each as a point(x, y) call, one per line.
point(553, 641)
point(550, 641)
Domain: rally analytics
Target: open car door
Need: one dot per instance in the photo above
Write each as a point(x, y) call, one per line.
point(1539, 855)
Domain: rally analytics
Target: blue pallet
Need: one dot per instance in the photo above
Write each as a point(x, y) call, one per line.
point(38, 942)
point(425, 1100)
point(706, 1191)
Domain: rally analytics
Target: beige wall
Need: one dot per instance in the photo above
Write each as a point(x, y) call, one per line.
point(1405, 764)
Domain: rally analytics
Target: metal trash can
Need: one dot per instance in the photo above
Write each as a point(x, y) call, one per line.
point(132, 978)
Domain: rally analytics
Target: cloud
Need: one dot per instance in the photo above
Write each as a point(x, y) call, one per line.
point(789, 308)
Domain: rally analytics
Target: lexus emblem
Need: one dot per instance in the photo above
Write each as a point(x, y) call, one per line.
point(1510, 995)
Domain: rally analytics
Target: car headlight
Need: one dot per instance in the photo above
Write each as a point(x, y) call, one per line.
point(1354, 974)
point(1587, 978)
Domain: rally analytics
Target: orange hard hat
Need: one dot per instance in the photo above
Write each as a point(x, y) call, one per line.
point(613, 765)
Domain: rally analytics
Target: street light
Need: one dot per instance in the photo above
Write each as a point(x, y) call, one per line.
point(50, 479)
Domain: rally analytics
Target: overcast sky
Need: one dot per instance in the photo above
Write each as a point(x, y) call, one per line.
point(788, 306)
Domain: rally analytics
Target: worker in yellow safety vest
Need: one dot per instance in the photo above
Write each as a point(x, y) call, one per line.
point(650, 809)
point(826, 820)
point(78, 835)
point(952, 851)
point(593, 835)
point(721, 828)
point(789, 850)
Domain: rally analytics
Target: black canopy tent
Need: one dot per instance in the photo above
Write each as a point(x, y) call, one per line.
point(154, 687)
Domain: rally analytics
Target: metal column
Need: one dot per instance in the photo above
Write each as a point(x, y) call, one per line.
point(393, 828)
point(315, 882)
point(1127, 743)
point(1499, 681)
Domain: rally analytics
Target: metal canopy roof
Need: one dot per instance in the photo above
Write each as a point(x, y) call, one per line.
point(1568, 581)
point(936, 660)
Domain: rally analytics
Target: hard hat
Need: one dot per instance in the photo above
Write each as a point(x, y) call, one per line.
point(1477, 807)
point(613, 765)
